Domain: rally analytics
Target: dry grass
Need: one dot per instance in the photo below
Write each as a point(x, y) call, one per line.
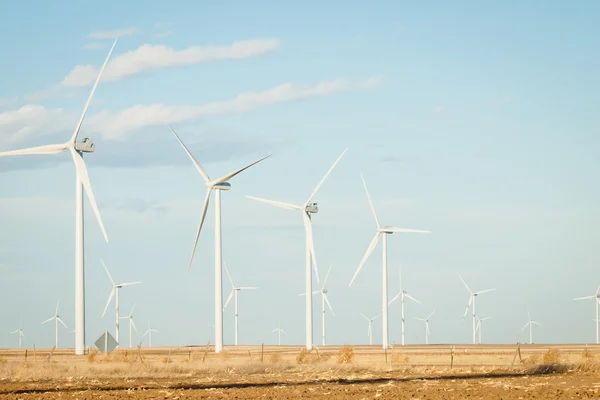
point(552, 356)
point(345, 355)
point(275, 358)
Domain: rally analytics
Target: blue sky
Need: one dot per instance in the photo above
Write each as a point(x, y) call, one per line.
point(477, 122)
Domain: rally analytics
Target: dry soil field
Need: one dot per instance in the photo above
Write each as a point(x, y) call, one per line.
point(359, 372)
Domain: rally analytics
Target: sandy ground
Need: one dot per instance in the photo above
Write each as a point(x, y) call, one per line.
point(416, 372)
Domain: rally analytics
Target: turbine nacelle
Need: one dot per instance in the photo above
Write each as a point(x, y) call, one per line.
point(220, 186)
point(85, 146)
point(311, 208)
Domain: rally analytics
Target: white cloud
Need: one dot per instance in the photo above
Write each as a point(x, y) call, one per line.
point(29, 120)
point(93, 46)
point(113, 34)
point(150, 57)
point(162, 34)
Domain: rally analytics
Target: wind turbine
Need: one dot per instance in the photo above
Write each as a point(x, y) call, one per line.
point(234, 294)
point(279, 332)
point(472, 296)
point(115, 292)
point(19, 332)
point(82, 180)
point(131, 324)
point(530, 324)
point(214, 185)
point(597, 297)
point(324, 300)
point(56, 319)
point(480, 325)
point(427, 331)
point(370, 330)
point(381, 231)
point(307, 208)
point(149, 333)
point(402, 294)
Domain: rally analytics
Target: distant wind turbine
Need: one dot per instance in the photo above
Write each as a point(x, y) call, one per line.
point(234, 294)
point(149, 333)
point(279, 332)
point(131, 324)
point(472, 296)
point(19, 332)
point(402, 294)
point(426, 320)
point(214, 185)
point(56, 319)
point(480, 326)
point(324, 300)
point(530, 324)
point(307, 208)
point(115, 292)
point(82, 181)
point(597, 300)
point(370, 330)
point(381, 231)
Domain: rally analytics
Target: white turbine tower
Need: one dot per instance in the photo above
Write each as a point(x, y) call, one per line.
point(234, 294)
point(402, 294)
point(427, 331)
point(214, 185)
point(149, 333)
point(56, 319)
point(597, 300)
point(472, 296)
point(480, 326)
point(530, 324)
point(279, 332)
point(370, 330)
point(307, 208)
point(131, 324)
point(381, 231)
point(324, 300)
point(19, 332)
point(115, 292)
point(82, 179)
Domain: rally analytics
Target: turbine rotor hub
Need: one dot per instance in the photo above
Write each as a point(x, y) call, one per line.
point(222, 186)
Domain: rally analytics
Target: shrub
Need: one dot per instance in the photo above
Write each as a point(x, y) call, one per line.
point(275, 358)
point(345, 355)
point(552, 356)
point(307, 357)
point(91, 356)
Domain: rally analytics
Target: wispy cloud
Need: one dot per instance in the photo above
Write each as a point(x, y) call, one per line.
point(94, 46)
point(163, 29)
point(113, 34)
point(439, 109)
point(151, 57)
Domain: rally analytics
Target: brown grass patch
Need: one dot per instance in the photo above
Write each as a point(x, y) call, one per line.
point(274, 358)
point(91, 356)
point(345, 355)
point(552, 356)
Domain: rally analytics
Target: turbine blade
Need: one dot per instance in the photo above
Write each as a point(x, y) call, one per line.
point(464, 283)
point(133, 324)
point(112, 293)
point(404, 230)
point(48, 320)
point(89, 100)
point(14, 331)
point(526, 325)
point(230, 175)
point(279, 204)
point(129, 283)
point(202, 217)
point(377, 316)
point(468, 305)
point(367, 254)
point(430, 315)
point(396, 297)
point(107, 273)
point(247, 288)
point(57, 302)
point(229, 298)
point(365, 317)
point(132, 308)
point(370, 202)
point(60, 320)
point(48, 149)
point(328, 304)
point(196, 163)
point(326, 277)
point(536, 323)
point(484, 291)
point(311, 242)
point(585, 298)
point(421, 319)
point(412, 298)
point(325, 177)
point(228, 275)
point(82, 173)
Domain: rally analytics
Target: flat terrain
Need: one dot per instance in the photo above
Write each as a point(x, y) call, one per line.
point(246, 372)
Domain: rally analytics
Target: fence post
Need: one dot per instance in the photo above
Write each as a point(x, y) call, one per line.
point(206, 351)
point(34, 355)
point(519, 351)
point(50, 355)
point(451, 357)
point(262, 352)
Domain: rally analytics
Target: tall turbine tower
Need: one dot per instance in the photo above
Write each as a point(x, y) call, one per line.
point(472, 296)
point(82, 181)
point(131, 324)
point(217, 185)
point(56, 319)
point(402, 294)
point(530, 324)
point(19, 332)
point(381, 231)
point(324, 300)
point(426, 320)
point(480, 326)
point(279, 332)
point(307, 208)
point(370, 330)
point(115, 292)
point(149, 333)
point(234, 294)
point(596, 298)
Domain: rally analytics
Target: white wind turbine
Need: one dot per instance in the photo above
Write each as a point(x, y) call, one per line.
point(279, 332)
point(324, 300)
point(370, 330)
point(480, 325)
point(597, 300)
point(82, 179)
point(131, 324)
point(19, 332)
point(115, 292)
point(56, 319)
point(530, 324)
point(402, 294)
point(427, 331)
point(149, 333)
point(215, 185)
point(472, 296)
point(381, 231)
point(307, 208)
point(234, 294)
